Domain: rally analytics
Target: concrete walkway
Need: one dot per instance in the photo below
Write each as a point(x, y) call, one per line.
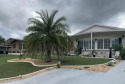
point(73, 76)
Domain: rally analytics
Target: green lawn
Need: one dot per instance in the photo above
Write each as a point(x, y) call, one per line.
point(76, 60)
point(8, 69)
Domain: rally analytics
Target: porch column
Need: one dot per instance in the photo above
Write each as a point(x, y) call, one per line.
point(123, 40)
point(91, 41)
point(22, 48)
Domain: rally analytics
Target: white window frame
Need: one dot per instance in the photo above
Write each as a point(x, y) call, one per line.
point(102, 44)
point(106, 43)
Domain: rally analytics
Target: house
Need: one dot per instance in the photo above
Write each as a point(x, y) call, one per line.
point(4, 48)
point(16, 46)
point(99, 38)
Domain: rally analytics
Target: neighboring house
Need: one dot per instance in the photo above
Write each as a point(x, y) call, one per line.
point(99, 38)
point(4, 48)
point(16, 46)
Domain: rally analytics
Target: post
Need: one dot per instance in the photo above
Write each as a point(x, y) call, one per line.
point(110, 52)
point(91, 41)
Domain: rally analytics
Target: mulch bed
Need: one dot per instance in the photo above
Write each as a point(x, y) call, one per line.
point(35, 61)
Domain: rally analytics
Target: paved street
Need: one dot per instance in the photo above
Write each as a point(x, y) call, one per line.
point(73, 76)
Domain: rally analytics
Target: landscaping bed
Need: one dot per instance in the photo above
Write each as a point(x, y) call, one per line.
point(35, 62)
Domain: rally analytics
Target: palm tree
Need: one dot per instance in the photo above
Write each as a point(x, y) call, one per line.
point(2, 39)
point(47, 35)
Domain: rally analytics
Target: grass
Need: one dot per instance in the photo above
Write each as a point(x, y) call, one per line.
point(8, 69)
point(76, 60)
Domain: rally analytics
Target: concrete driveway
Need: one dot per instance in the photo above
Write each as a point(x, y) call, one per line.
point(73, 76)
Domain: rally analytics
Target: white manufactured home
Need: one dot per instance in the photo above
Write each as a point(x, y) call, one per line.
point(99, 38)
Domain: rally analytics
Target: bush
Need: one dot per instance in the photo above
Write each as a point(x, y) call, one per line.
point(122, 51)
point(94, 53)
point(1, 52)
point(58, 65)
point(118, 48)
point(122, 54)
point(21, 57)
point(110, 64)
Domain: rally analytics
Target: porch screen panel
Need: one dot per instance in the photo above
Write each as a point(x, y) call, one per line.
point(80, 44)
point(93, 44)
point(87, 44)
point(100, 43)
point(20, 46)
point(106, 43)
point(115, 42)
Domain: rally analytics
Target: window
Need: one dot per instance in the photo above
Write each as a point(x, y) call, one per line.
point(20, 46)
point(115, 42)
point(14, 45)
point(87, 44)
point(100, 43)
point(80, 44)
point(23, 46)
point(106, 43)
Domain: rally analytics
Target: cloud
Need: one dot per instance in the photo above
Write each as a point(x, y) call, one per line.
point(14, 35)
point(79, 13)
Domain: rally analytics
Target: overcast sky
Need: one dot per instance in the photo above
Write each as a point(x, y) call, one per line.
point(80, 14)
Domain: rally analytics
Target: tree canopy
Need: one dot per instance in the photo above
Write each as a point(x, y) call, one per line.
point(2, 39)
point(47, 35)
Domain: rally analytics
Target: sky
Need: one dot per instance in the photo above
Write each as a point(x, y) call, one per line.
point(80, 14)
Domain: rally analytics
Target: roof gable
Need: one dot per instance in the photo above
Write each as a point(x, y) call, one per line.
point(10, 40)
point(99, 28)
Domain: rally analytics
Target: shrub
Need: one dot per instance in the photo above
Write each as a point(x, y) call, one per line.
point(122, 54)
point(21, 57)
point(58, 65)
point(118, 48)
point(1, 52)
point(78, 51)
point(94, 53)
point(122, 51)
point(110, 64)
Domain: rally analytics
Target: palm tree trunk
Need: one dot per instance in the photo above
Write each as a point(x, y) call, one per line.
point(58, 54)
point(48, 55)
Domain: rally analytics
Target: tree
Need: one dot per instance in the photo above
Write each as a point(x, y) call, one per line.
point(47, 35)
point(2, 40)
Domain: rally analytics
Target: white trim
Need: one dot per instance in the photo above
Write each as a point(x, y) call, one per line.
point(96, 49)
point(91, 41)
point(103, 43)
point(97, 32)
point(96, 44)
point(83, 45)
point(104, 26)
point(111, 42)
